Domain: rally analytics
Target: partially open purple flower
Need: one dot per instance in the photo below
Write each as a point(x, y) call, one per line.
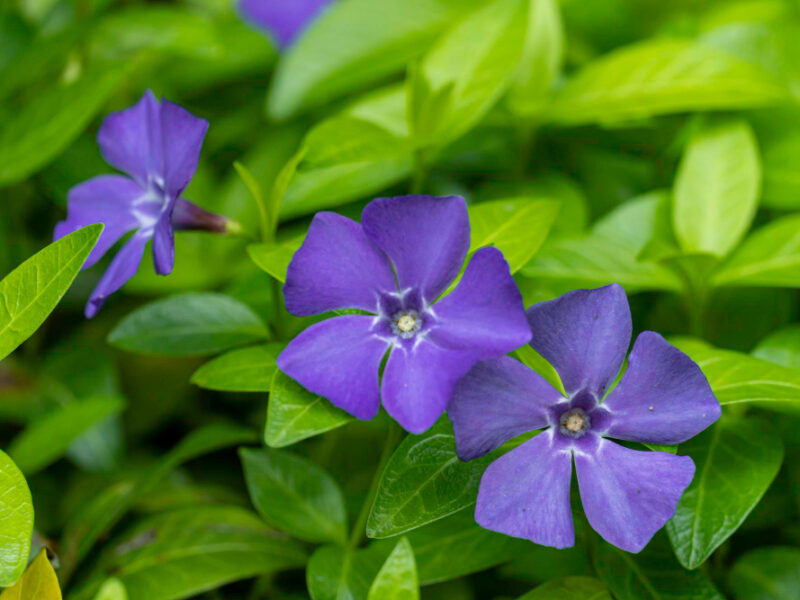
point(627, 495)
point(158, 145)
point(406, 252)
point(283, 19)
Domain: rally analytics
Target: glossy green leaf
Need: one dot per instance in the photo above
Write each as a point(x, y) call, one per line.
point(295, 495)
point(31, 291)
point(54, 118)
point(182, 553)
point(657, 77)
point(397, 579)
point(769, 257)
point(653, 574)
point(16, 521)
point(769, 573)
point(47, 439)
point(517, 226)
point(335, 573)
point(275, 258)
point(423, 481)
point(39, 582)
point(294, 413)
point(390, 32)
point(736, 461)
point(569, 588)
point(244, 370)
point(188, 324)
point(781, 347)
point(717, 187)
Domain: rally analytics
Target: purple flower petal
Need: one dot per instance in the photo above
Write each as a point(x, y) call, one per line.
point(584, 334)
point(122, 268)
point(426, 238)
point(130, 140)
point(525, 494)
point(182, 137)
point(336, 267)
point(284, 19)
point(484, 313)
point(497, 400)
point(107, 199)
point(164, 245)
point(418, 382)
point(338, 359)
point(628, 495)
point(663, 397)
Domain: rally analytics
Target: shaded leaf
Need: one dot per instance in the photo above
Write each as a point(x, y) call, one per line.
point(771, 573)
point(781, 347)
point(569, 588)
point(334, 573)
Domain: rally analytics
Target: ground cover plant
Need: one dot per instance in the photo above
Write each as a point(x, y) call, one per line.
point(329, 298)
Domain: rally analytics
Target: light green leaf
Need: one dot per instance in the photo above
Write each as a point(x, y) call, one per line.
point(653, 574)
point(295, 495)
point(38, 583)
point(659, 77)
point(113, 589)
point(54, 118)
point(294, 413)
point(275, 258)
point(769, 257)
point(542, 58)
point(31, 291)
point(738, 378)
point(182, 553)
point(46, 440)
point(781, 158)
point(770, 573)
point(423, 481)
point(16, 521)
point(736, 461)
point(245, 370)
point(781, 347)
point(569, 588)
point(717, 187)
point(188, 324)
point(516, 226)
point(334, 573)
point(397, 579)
point(357, 42)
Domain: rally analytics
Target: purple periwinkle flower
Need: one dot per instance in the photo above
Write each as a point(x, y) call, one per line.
point(395, 265)
point(285, 20)
point(627, 495)
point(158, 145)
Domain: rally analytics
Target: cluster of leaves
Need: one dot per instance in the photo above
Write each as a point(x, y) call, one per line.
point(653, 144)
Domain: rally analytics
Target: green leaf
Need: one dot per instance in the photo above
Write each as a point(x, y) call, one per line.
point(46, 440)
point(736, 461)
point(717, 187)
point(397, 579)
point(769, 257)
point(295, 414)
point(738, 378)
point(182, 553)
point(658, 77)
point(456, 546)
point(38, 583)
point(244, 370)
point(653, 574)
point(517, 226)
point(781, 160)
point(542, 58)
point(390, 33)
point(423, 481)
point(770, 573)
point(334, 573)
point(569, 588)
point(52, 120)
point(113, 589)
point(781, 347)
point(16, 521)
point(188, 324)
point(295, 495)
point(275, 258)
point(31, 291)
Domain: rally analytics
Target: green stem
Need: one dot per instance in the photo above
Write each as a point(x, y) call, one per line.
point(267, 232)
point(392, 438)
point(420, 173)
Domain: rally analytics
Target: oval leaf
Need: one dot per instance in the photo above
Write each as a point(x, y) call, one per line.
point(38, 583)
point(16, 521)
point(244, 370)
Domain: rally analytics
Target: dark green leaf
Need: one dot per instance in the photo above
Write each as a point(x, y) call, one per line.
point(569, 588)
point(334, 573)
point(771, 573)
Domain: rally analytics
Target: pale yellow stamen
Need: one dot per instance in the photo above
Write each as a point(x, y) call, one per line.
point(406, 323)
point(574, 422)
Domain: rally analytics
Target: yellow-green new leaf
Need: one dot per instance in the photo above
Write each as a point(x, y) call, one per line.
point(39, 582)
point(16, 521)
point(397, 579)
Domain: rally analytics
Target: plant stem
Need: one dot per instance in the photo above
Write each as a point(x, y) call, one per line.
point(420, 173)
point(392, 438)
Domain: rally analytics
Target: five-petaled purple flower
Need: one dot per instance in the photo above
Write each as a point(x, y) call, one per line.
point(627, 495)
point(395, 265)
point(158, 145)
point(283, 19)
